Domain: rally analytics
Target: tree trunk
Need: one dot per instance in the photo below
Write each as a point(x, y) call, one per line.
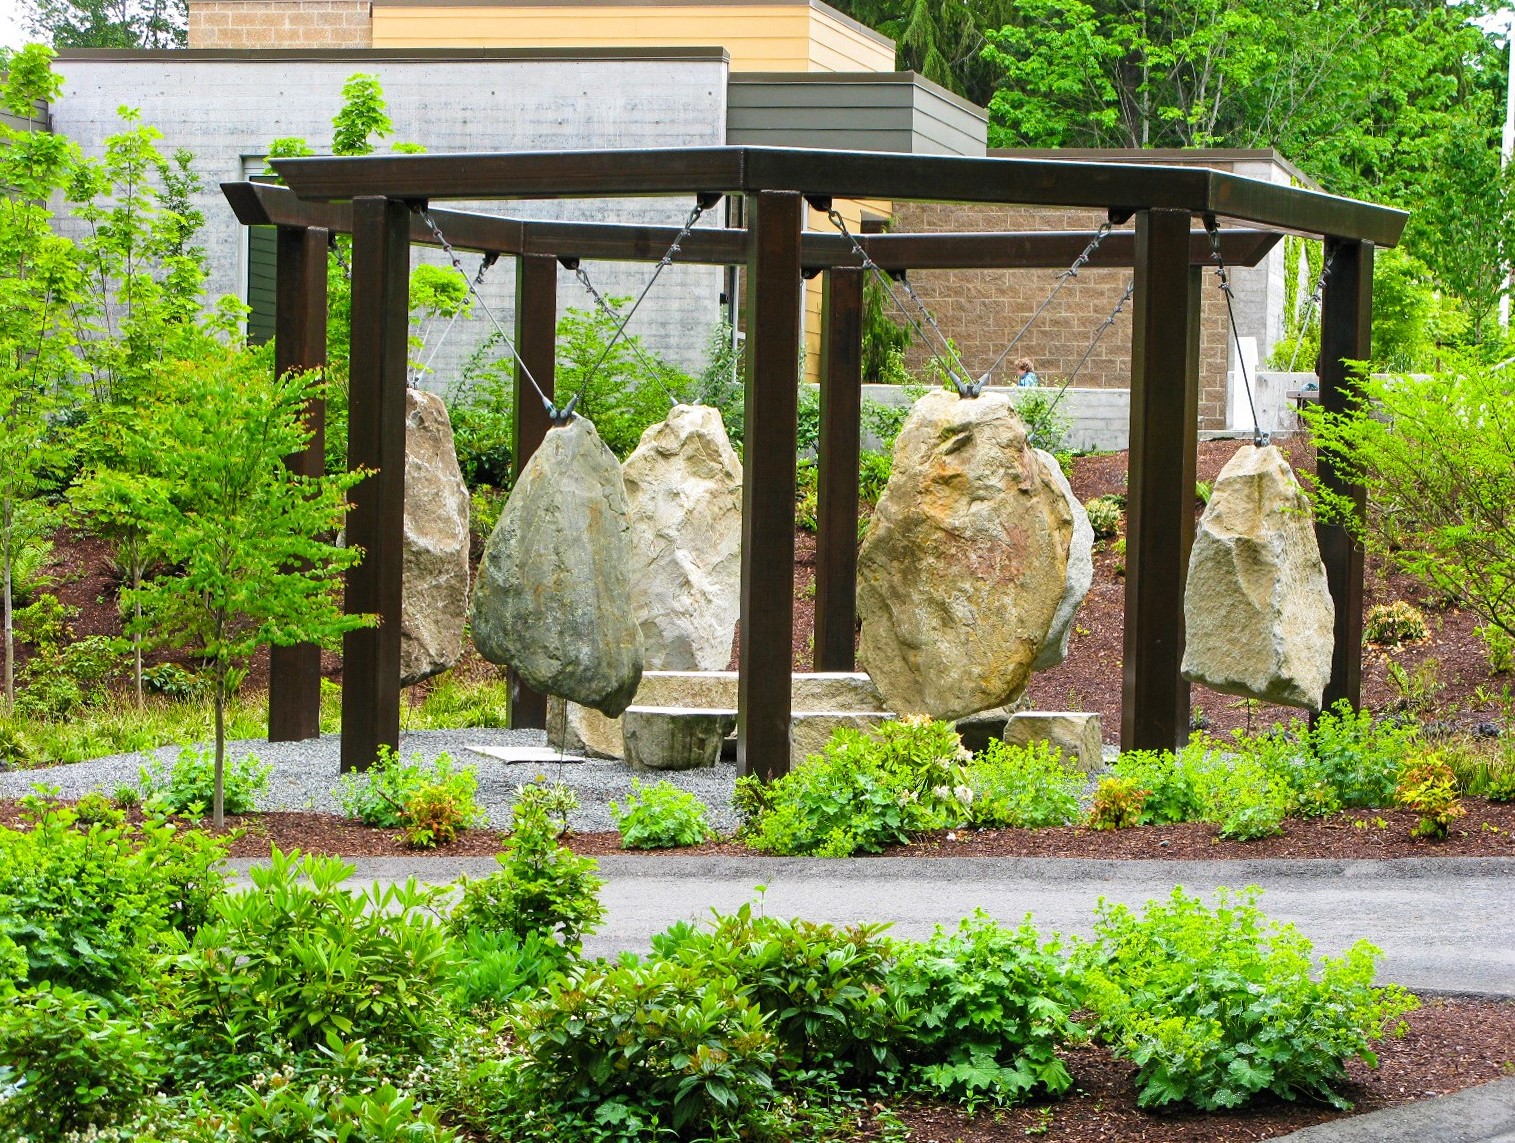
point(218, 813)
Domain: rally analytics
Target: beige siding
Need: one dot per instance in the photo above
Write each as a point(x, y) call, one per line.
point(836, 46)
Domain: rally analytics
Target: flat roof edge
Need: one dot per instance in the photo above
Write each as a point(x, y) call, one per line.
point(1159, 155)
point(430, 55)
point(911, 77)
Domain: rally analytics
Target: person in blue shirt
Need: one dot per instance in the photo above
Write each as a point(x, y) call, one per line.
point(1025, 374)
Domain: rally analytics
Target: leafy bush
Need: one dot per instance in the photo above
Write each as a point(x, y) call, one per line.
point(1429, 788)
point(1045, 425)
point(90, 909)
point(1027, 787)
point(1214, 1006)
point(297, 960)
point(821, 989)
point(96, 807)
point(862, 792)
point(542, 887)
point(1117, 804)
point(66, 1064)
point(188, 786)
point(988, 1007)
point(659, 816)
point(494, 968)
point(435, 813)
point(807, 504)
point(1105, 515)
point(1393, 623)
point(61, 678)
point(172, 681)
point(1241, 795)
point(1499, 646)
point(381, 795)
point(279, 1110)
point(1355, 755)
point(1168, 783)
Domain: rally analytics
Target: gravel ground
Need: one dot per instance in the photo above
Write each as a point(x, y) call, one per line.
point(305, 775)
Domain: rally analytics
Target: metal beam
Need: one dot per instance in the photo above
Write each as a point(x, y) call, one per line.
point(1346, 326)
point(1160, 495)
point(774, 294)
point(294, 673)
point(837, 494)
point(376, 441)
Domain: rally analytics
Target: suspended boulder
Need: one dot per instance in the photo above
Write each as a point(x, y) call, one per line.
point(965, 563)
point(1080, 568)
point(435, 591)
point(684, 488)
point(553, 600)
point(1258, 616)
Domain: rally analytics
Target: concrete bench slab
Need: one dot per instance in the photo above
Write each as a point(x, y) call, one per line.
point(675, 738)
point(1077, 734)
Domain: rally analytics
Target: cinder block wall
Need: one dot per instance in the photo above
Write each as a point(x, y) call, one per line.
point(280, 23)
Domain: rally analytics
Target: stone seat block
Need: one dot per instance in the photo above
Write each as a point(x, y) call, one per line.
point(1078, 735)
point(675, 738)
point(809, 731)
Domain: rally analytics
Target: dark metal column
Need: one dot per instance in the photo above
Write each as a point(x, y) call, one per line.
point(1160, 493)
point(536, 335)
point(294, 673)
point(836, 514)
point(1346, 326)
point(774, 220)
point(376, 440)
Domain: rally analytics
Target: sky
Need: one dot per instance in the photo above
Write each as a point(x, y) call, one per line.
point(11, 34)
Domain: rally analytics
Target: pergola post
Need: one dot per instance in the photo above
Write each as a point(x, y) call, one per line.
point(836, 508)
point(536, 333)
point(1160, 492)
point(774, 220)
point(1346, 325)
point(294, 673)
point(376, 440)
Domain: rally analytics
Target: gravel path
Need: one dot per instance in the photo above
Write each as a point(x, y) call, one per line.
point(305, 775)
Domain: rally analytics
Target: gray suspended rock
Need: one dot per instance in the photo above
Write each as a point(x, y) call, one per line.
point(435, 587)
point(965, 563)
point(684, 488)
point(553, 599)
point(1258, 616)
point(1080, 568)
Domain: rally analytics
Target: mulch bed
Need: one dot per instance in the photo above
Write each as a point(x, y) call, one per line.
point(1452, 1044)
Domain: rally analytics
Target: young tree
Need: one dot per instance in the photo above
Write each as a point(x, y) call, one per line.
point(242, 532)
point(109, 23)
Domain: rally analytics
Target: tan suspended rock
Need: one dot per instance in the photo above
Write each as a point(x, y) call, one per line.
point(965, 563)
point(1258, 616)
point(435, 588)
point(684, 488)
point(553, 599)
point(1080, 568)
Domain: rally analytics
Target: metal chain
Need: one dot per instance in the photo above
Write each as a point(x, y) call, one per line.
point(335, 247)
point(1098, 333)
point(485, 263)
point(1311, 304)
point(554, 414)
point(1259, 438)
point(1062, 280)
point(654, 368)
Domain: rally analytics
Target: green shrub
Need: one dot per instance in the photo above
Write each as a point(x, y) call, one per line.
point(1105, 515)
point(988, 1007)
point(1499, 646)
point(66, 1064)
point(660, 816)
point(1046, 425)
point(126, 797)
point(281, 1111)
point(1026, 787)
point(91, 909)
point(1429, 788)
point(1393, 623)
point(807, 495)
point(1117, 804)
point(863, 792)
point(493, 969)
point(15, 749)
point(62, 678)
point(298, 960)
point(436, 812)
point(459, 704)
point(1240, 795)
point(1355, 755)
point(96, 807)
point(821, 989)
point(188, 786)
point(382, 794)
point(1215, 1006)
point(542, 887)
point(173, 682)
point(1169, 785)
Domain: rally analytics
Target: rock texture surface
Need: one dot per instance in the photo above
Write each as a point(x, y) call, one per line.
point(1257, 612)
point(436, 543)
point(675, 738)
point(577, 729)
point(1076, 734)
point(684, 488)
point(965, 563)
point(553, 599)
point(1080, 568)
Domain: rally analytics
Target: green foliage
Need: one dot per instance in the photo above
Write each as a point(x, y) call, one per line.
point(490, 970)
point(807, 491)
point(1393, 623)
point(281, 1111)
point(1117, 804)
point(862, 793)
point(1216, 1005)
point(95, 807)
point(989, 1007)
point(720, 384)
point(297, 960)
point(1241, 795)
point(66, 1063)
point(1045, 425)
point(363, 119)
point(1410, 318)
point(435, 813)
point(1026, 787)
point(1429, 788)
point(64, 676)
point(1106, 514)
point(660, 816)
point(1499, 646)
point(542, 887)
point(1170, 795)
point(455, 703)
point(382, 794)
point(1356, 756)
point(89, 909)
point(189, 785)
point(172, 681)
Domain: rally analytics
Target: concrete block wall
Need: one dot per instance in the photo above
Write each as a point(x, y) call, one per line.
point(280, 23)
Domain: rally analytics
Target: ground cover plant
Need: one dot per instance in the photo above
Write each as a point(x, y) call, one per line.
point(429, 801)
point(660, 816)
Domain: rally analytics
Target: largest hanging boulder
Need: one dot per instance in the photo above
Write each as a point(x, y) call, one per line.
point(435, 591)
point(684, 488)
point(553, 599)
point(1258, 616)
point(965, 563)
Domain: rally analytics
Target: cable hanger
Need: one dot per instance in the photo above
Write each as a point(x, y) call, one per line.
point(424, 368)
point(1212, 228)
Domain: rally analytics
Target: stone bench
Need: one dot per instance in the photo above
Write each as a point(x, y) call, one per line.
point(675, 738)
point(1078, 735)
